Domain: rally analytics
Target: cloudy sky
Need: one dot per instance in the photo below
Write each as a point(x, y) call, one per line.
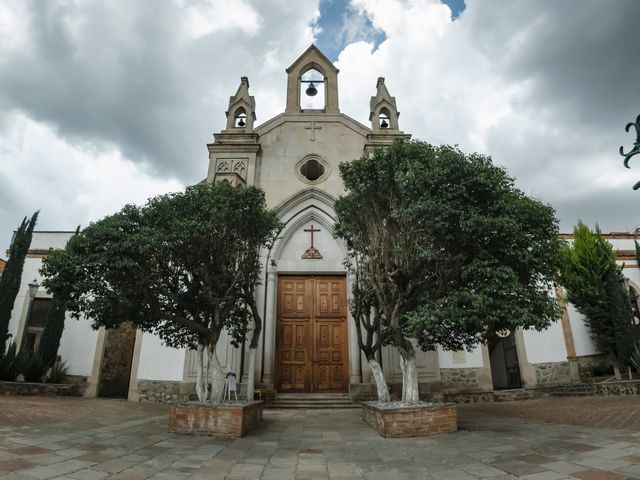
point(107, 103)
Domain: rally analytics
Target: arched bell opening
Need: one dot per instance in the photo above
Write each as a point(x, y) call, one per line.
point(384, 118)
point(240, 118)
point(312, 90)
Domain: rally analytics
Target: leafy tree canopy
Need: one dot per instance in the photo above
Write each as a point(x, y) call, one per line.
point(453, 250)
point(178, 267)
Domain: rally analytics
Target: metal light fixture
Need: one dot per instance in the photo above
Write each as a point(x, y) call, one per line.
point(33, 288)
point(504, 333)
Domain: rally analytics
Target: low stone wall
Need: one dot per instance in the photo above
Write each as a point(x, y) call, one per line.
point(552, 373)
point(165, 391)
point(469, 396)
point(623, 387)
point(228, 420)
point(593, 366)
point(418, 421)
point(460, 379)
point(75, 389)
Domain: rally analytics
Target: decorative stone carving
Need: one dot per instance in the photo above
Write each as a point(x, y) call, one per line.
point(232, 170)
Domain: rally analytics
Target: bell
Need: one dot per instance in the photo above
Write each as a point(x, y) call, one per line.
point(383, 123)
point(311, 90)
point(241, 122)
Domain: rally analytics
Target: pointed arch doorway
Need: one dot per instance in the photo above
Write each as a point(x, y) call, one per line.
point(311, 334)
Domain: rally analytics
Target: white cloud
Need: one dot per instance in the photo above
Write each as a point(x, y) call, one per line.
point(537, 86)
point(70, 183)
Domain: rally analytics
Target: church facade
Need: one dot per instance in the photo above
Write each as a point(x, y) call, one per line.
point(308, 342)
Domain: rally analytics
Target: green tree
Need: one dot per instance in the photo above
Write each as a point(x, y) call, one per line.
point(595, 286)
point(175, 267)
point(52, 332)
point(454, 251)
point(12, 276)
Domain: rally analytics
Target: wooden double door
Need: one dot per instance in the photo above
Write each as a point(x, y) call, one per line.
point(311, 334)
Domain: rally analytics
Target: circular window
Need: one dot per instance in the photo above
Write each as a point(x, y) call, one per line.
point(312, 169)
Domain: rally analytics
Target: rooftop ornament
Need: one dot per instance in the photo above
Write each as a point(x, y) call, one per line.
point(636, 146)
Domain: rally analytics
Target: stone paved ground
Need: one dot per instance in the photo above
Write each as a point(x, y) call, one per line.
point(605, 412)
point(94, 439)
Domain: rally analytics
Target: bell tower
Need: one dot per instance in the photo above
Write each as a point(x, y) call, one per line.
point(383, 115)
point(297, 83)
point(233, 155)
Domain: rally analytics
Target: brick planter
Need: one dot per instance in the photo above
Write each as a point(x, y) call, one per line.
point(395, 420)
point(227, 420)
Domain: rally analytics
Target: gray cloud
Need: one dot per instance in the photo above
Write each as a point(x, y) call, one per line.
point(103, 103)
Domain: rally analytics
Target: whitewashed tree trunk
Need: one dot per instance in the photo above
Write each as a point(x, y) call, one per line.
point(381, 384)
point(217, 379)
point(251, 375)
point(616, 372)
point(410, 394)
point(201, 379)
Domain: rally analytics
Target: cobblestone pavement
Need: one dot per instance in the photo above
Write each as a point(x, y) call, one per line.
point(605, 412)
point(94, 439)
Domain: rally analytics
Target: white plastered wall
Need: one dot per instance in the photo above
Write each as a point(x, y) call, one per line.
point(78, 341)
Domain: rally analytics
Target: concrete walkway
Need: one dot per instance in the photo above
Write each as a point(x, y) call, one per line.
point(95, 439)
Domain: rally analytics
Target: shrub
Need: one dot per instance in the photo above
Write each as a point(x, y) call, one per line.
point(58, 372)
point(32, 366)
point(9, 363)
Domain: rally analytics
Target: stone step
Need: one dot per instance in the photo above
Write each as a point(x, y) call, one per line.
point(575, 390)
point(312, 405)
point(313, 400)
point(513, 395)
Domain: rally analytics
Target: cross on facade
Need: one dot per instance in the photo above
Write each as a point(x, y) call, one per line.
point(311, 231)
point(312, 130)
point(311, 252)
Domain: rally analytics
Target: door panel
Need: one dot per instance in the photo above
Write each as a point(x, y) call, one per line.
point(311, 334)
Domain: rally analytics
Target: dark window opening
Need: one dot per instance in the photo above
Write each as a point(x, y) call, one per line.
point(312, 170)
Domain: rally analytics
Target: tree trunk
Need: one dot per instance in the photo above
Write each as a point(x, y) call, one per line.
point(410, 395)
point(381, 384)
point(616, 366)
point(257, 329)
point(201, 380)
point(251, 374)
point(217, 378)
point(616, 372)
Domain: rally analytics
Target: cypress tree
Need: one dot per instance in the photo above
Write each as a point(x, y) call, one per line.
point(595, 286)
point(10, 281)
point(50, 340)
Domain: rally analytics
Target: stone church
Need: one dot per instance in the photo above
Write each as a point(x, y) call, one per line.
point(308, 342)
